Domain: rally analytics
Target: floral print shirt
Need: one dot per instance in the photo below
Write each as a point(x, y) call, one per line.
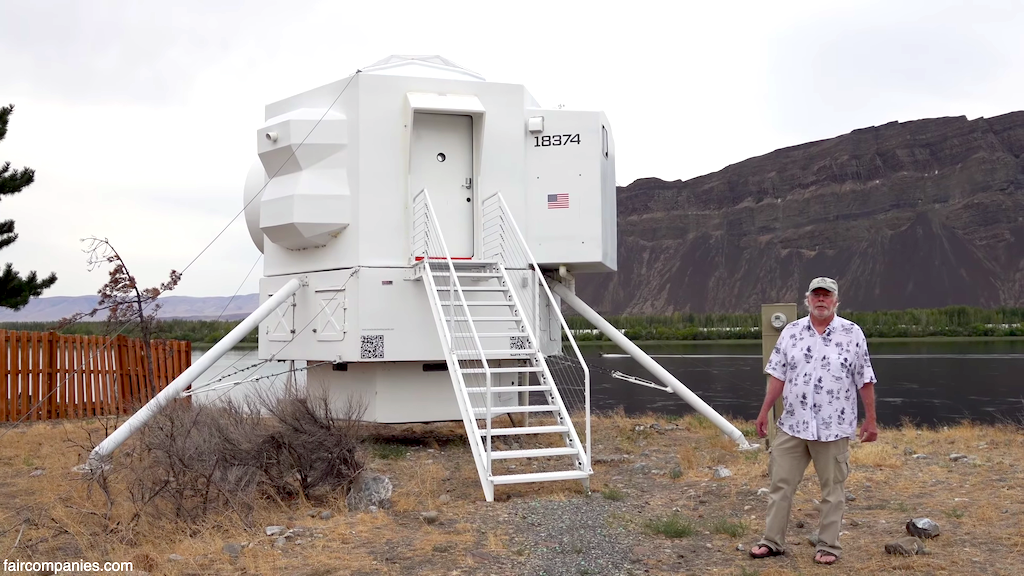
point(822, 374)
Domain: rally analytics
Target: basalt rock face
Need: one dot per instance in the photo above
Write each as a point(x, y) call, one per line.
point(917, 214)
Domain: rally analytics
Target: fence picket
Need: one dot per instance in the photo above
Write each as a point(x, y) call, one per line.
point(23, 369)
point(5, 379)
point(104, 381)
point(90, 370)
point(133, 363)
point(49, 394)
point(83, 377)
point(39, 398)
point(115, 388)
point(5, 389)
point(69, 377)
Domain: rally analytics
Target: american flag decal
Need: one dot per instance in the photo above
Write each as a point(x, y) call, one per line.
point(558, 201)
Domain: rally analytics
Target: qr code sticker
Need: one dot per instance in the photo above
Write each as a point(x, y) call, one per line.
point(371, 346)
point(518, 343)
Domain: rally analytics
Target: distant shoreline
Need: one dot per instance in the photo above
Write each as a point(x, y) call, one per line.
point(737, 341)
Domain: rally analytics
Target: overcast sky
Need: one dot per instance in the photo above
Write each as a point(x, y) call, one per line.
point(138, 116)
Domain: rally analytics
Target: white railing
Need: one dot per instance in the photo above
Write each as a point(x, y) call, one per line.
point(503, 241)
point(430, 249)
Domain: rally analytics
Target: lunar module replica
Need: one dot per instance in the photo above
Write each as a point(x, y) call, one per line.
point(421, 228)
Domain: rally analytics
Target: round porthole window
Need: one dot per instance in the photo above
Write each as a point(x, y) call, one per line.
point(440, 156)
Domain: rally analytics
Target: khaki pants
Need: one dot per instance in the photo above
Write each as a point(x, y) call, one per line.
point(786, 465)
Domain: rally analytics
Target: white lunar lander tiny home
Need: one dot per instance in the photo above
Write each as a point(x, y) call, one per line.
point(420, 229)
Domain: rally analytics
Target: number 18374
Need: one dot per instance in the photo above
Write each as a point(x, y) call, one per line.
point(556, 140)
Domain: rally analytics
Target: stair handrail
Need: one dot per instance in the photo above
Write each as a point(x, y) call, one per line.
point(550, 378)
point(561, 319)
point(432, 224)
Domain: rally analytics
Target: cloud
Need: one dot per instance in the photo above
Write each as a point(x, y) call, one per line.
point(118, 51)
point(869, 65)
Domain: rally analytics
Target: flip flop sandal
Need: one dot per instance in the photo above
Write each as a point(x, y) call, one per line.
point(771, 551)
point(825, 554)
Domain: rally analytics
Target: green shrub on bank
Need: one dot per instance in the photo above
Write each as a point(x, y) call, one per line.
point(952, 321)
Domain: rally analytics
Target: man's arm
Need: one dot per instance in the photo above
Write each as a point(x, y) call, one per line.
point(869, 429)
point(775, 387)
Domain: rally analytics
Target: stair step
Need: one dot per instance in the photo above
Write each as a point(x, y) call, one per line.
point(490, 334)
point(468, 274)
point(459, 263)
point(525, 430)
point(473, 289)
point(496, 389)
point(502, 370)
point(477, 303)
point(534, 453)
point(539, 477)
point(489, 319)
point(493, 354)
point(517, 409)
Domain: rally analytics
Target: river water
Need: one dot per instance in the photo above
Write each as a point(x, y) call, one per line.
point(929, 383)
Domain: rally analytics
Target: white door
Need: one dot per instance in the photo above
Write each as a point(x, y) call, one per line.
point(442, 162)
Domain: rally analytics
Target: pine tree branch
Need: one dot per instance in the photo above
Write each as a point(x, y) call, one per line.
point(5, 114)
point(12, 182)
point(15, 291)
point(7, 235)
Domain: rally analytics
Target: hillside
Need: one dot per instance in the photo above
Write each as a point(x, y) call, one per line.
point(49, 309)
point(927, 213)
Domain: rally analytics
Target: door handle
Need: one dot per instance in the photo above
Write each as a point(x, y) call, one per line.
point(469, 184)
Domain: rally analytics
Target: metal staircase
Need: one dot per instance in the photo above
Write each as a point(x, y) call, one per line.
point(496, 363)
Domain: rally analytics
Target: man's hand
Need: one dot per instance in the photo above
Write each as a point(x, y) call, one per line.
point(762, 424)
point(775, 387)
point(868, 431)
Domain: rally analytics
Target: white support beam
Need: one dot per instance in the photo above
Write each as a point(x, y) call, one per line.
point(653, 367)
point(100, 455)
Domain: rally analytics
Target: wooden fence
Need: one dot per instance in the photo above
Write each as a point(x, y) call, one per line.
point(48, 375)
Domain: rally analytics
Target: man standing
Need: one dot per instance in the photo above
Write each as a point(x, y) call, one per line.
point(817, 366)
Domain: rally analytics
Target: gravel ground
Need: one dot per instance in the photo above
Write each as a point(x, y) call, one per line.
point(571, 537)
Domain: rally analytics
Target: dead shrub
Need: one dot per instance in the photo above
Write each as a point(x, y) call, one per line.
point(191, 461)
point(311, 445)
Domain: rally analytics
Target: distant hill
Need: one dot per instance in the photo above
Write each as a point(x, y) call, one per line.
point(920, 214)
point(49, 309)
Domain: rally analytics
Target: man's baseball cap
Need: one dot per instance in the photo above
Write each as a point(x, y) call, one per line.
point(826, 283)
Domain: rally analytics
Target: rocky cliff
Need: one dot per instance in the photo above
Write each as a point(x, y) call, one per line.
point(926, 213)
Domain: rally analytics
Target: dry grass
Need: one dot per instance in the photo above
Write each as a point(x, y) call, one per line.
point(876, 455)
point(977, 503)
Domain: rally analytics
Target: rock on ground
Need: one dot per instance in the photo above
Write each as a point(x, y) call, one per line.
point(905, 546)
point(923, 528)
point(232, 549)
point(369, 490)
